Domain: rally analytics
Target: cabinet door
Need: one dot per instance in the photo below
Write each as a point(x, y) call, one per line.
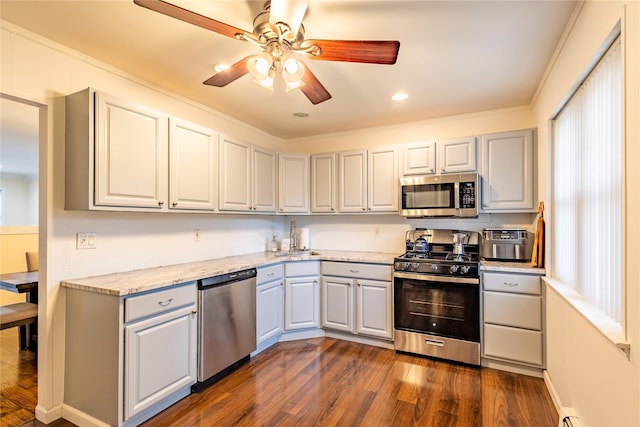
point(269, 310)
point(507, 171)
point(374, 308)
point(383, 181)
point(235, 174)
point(337, 303)
point(160, 358)
point(294, 183)
point(457, 155)
point(419, 158)
point(131, 154)
point(263, 180)
point(323, 183)
point(301, 303)
point(353, 181)
point(192, 166)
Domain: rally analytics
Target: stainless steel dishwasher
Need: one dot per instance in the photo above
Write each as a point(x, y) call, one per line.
point(226, 324)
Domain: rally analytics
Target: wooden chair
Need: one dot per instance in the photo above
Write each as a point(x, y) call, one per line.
point(19, 314)
point(33, 261)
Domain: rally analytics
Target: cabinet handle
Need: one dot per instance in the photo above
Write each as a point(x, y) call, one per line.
point(364, 209)
point(333, 209)
point(270, 274)
point(355, 271)
point(485, 205)
point(161, 202)
point(443, 169)
point(165, 303)
point(174, 204)
point(430, 169)
point(194, 312)
point(510, 284)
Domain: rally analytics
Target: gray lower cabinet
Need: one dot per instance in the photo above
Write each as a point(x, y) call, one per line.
point(513, 327)
point(301, 295)
point(128, 358)
point(357, 298)
point(269, 302)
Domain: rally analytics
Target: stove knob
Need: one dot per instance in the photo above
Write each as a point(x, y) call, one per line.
point(415, 266)
point(465, 269)
point(454, 268)
point(434, 267)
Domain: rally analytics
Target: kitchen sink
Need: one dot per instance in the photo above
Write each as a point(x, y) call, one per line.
point(296, 253)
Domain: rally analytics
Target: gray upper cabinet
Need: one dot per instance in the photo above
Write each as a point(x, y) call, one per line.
point(457, 155)
point(508, 179)
point(247, 177)
point(123, 156)
point(293, 195)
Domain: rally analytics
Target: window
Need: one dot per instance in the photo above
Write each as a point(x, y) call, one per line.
point(587, 189)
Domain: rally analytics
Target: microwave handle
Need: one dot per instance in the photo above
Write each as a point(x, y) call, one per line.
point(456, 192)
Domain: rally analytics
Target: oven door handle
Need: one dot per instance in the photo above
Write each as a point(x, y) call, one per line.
point(433, 278)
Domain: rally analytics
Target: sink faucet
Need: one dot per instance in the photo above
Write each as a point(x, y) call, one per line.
point(292, 236)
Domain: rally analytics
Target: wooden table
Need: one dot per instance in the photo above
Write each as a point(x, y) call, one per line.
point(23, 282)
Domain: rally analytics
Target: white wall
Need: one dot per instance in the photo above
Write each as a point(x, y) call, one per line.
point(586, 371)
point(20, 199)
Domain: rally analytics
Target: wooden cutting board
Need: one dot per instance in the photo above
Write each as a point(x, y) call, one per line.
point(537, 257)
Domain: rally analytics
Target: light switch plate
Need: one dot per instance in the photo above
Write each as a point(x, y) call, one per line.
point(86, 240)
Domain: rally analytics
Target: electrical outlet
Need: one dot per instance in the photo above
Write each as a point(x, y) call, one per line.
point(196, 235)
point(86, 240)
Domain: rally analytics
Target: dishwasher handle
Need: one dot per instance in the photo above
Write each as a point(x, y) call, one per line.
point(227, 278)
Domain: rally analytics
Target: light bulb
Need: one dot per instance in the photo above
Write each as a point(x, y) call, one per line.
point(292, 69)
point(262, 66)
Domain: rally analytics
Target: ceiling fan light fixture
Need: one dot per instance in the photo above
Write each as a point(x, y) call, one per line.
point(292, 69)
point(260, 65)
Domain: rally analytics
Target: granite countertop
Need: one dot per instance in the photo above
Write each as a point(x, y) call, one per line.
point(510, 267)
point(132, 282)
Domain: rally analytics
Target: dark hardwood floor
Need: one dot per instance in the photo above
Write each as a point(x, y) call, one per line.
point(328, 382)
point(324, 382)
point(18, 381)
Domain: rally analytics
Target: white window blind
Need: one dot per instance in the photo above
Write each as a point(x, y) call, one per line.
point(587, 188)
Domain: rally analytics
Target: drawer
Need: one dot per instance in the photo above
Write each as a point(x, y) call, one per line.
point(302, 268)
point(518, 345)
point(267, 274)
point(357, 270)
point(159, 302)
point(518, 283)
point(522, 311)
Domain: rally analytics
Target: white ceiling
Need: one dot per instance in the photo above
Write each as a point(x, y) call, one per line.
point(455, 57)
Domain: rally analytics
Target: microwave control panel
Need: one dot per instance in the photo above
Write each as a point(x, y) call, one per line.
point(467, 195)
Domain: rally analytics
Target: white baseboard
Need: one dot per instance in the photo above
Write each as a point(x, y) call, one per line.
point(48, 416)
point(552, 390)
point(360, 339)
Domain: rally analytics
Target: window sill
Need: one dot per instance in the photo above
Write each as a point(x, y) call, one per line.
point(603, 323)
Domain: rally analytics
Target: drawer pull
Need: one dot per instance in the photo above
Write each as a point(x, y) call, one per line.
point(511, 284)
point(354, 271)
point(194, 312)
point(270, 274)
point(434, 342)
point(165, 303)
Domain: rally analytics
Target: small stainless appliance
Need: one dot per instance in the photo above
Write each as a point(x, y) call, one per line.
point(454, 195)
point(226, 324)
point(506, 244)
point(437, 295)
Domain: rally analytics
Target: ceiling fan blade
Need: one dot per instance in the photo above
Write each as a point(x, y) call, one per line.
point(229, 75)
point(368, 51)
point(313, 89)
point(190, 17)
point(290, 12)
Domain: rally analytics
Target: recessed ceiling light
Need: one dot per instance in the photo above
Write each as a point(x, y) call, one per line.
point(400, 96)
point(220, 67)
point(301, 115)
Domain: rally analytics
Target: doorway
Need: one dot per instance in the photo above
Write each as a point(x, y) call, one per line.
point(20, 206)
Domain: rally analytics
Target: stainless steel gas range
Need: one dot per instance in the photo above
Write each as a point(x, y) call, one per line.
point(437, 295)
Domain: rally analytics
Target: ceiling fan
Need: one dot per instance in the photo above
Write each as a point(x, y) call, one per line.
point(279, 32)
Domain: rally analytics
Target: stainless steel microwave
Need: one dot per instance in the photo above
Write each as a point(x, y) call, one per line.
point(454, 195)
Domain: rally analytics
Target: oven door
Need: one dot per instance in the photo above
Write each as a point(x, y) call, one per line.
point(444, 306)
